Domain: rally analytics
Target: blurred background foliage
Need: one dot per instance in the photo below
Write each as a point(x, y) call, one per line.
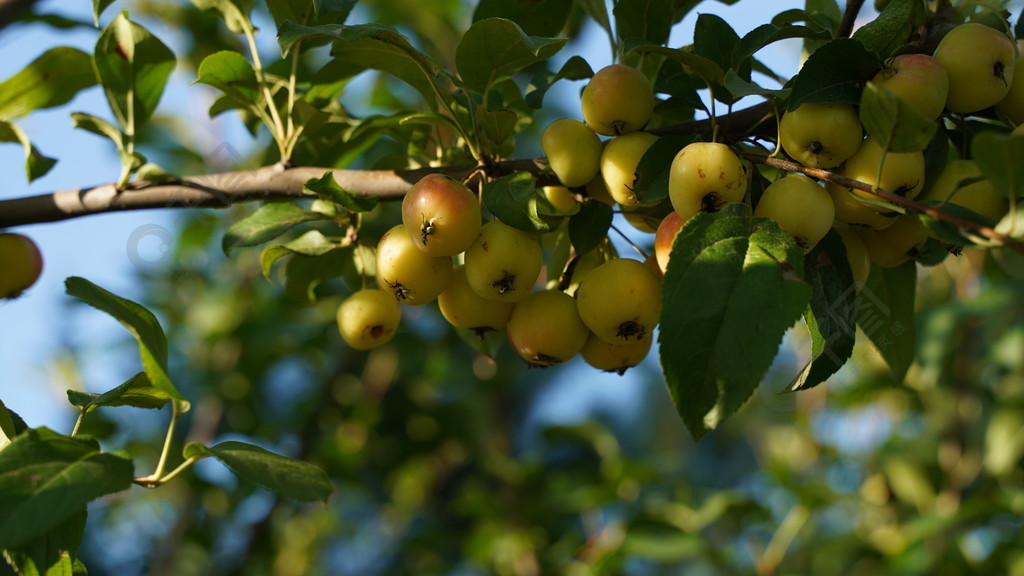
point(448, 462)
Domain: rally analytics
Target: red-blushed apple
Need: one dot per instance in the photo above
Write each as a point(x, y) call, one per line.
point(919, 79)
point(441, 215)
point(979, 61)
point(665, 236)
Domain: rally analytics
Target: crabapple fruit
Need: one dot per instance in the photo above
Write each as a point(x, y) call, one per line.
point(620, 300)
point(545, 329)
point(619, 160)
point(504, 263)
point(617, 357)
point(821, 135)
point(464, 308)
point(368, 318)
point(980, 63)
point(617, 100)
point(442, 215)
point(705, 176)
point(410, 274)
point(21, 264)
point(799, 206)
point(573, 151)
point(919, 79)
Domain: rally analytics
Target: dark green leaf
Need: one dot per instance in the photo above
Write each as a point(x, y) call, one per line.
point(312, 243)
point(46, 478)
point(885, 312)
point(286, 476)
point(137, 392)
point(53, 553)
point(266, 223)
point(739, 88)
point(589, 227)
point(535, 17)
point(513, 200)
point(36, 164)
point(304, 273)
point(139, 321)
point(234, 12)
point(832, 314)
point(131, 62)
point(233, 75)
point(494, 49)
point(496, 126)
point(326, 187)
point(7, 429)
point(651, 184)
point(644, 21)
point(766, 34)
point(598, 10)
point(732, 284)
point(897, 24)
point(949, 232)
point(893, 122)
point(575, 68)
point(714, 39)
point(52, 79)
point(999, 158)
point(836, 72)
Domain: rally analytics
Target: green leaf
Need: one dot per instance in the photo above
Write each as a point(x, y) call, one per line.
point(646, 21)
point(885, 312)
point(896, 25)
point(740, 88)
point(36, 164)
point(575, 68)
point(232, 74)
point(651, 184)
point(53, 553)
point(139, 321)
point(999, 158)
point(715, 39)
point(312, 243)
point(836, 72)
point(373, 47)
point(513, 200)
point(766, 34)
point(46, 478)
point(7, 429)
point(535, 17)
point(98, 6)
point(732, 284)
point(598, 10)
point(266, 223)
point(589, 227)
point(497, 126)
point(327, 187)
point(831, 316)
point(52, 79)
point(699, 66)
point(286, 476)
point(893, 122)
point(495, 49)
point(234, 12)
point(137, 392)
point(132, 64)
point(949, 232)
point(99, 127)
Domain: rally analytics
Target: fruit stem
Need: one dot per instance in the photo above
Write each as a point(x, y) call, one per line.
point(890, 197)
point(157, 476)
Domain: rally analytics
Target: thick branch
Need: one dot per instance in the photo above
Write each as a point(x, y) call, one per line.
point(222, 190)
point(890, 197)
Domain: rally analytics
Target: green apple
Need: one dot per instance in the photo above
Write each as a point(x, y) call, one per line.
point(897, 243)
point(407, 272)
point(919, 79)
point(980, 63)
point(1011, 108)
point(981, 197)
point(705, 176)
point(620, 300)
point(20, 264)
point(617, 100)
point(504, 263)
point(368, 318)
point(821, 135)
point(799, 206)
point(617, 357)
point(545, 329)
point(850, 210)
point(560, 197)
point(619, 160)
point(573, 151)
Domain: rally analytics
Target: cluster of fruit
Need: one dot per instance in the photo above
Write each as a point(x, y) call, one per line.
point(493, 286)
point(20, 264)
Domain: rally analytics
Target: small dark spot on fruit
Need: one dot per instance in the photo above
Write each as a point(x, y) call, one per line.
point(700, 173)
point(631, 329)
point(710, 203)
point(376, 331)
point(815, 147)
point(541, 360)
point(482, 331)
point(506, 284)
point(999, 70)
point(401, 292)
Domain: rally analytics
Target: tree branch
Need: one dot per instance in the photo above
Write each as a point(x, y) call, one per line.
point(849, 18)
point(896, 199)
point(279, 183)
point(222, 190)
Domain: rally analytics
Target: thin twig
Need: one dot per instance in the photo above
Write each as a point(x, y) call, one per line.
point(849, 18)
